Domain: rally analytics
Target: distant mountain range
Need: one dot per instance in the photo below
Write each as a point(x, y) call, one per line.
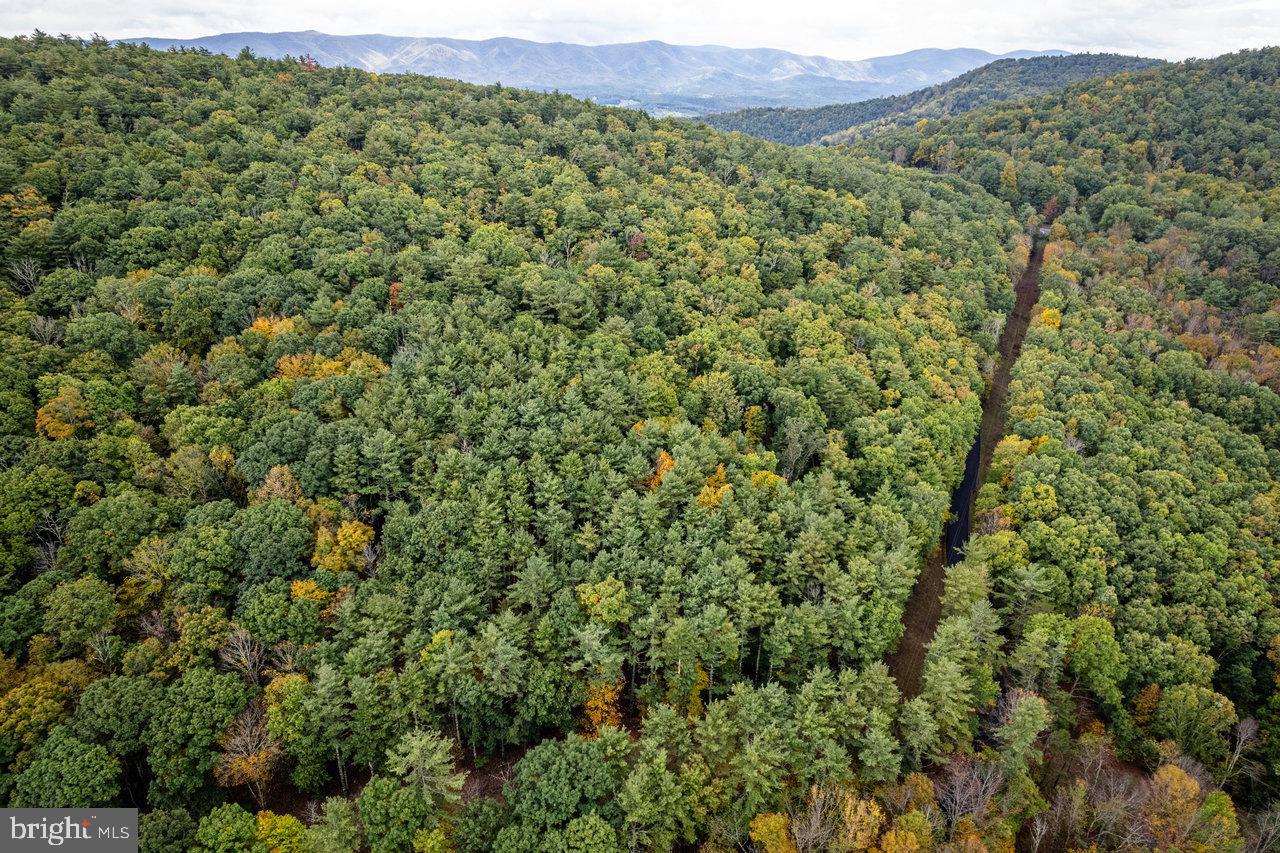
point(1002, 80)
point(662, 78)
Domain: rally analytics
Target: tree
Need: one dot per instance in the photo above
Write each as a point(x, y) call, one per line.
point(1024, 717)
point(229, 829)
point(249, 754)
point(919, 729)
point(391, 814)
point(590, 834)
point(271, 540)
point(166, 831)
point(1096, 658)
point(560, 780)
point(772, 831)
point(182, 737)
point(283, 833)
point(478, 825)
point(1198, 719)
point(424, 761)
point(948, 694)
point(338, 830)
point(290, 700)
point(1170, 808)
point(429, 404)
point(655, 801)
point(77, 610)
point(114, 711)
point(67, 773)
point(1009, 179)
point(880, 754)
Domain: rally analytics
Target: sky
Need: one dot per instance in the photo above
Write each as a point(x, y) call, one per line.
point(842, 29)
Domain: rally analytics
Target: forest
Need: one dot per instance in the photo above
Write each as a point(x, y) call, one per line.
point(1168, 179)
point(1002, 80)
point(391, 463)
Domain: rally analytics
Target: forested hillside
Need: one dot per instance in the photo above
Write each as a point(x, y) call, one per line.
point(1168, 178)
point(1129, 520)
point(384, 424)
point(397, 464)
point(1004, 80)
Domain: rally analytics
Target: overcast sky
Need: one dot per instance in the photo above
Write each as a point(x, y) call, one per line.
point(844, 29)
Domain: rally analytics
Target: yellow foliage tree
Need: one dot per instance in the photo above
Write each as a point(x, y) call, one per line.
point(62, 416)
point(767, 481)
point(249, 754)
point(900, 841)
point(605, 601)
point(1144, 706)
point(279, 483)
point(715, 489)
point(1051, 318)
point(602, 707)
point(772, 832)
point(920, 789)
point(308, 590)
point(1170, 808)
point(861, 820)
point(343, 549)
point(281, 833)
point(663, 467)
point(26, 204)
point(755, 424)
point(269, 327)
point(1009, 176)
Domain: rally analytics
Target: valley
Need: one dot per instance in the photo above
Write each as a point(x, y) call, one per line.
point(924, 606)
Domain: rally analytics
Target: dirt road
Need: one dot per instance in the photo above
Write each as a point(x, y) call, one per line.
point(924, 606)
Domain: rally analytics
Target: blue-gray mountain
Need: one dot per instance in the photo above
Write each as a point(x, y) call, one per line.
point(655, 76)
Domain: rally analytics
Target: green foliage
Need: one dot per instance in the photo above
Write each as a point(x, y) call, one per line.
point(27, 498)
point(270, 540)
point(478, 824)
point(391, 815)
point(337, 831)
point(559, 781)
point(363, 423)
point(1176, 166)
point(590, 834)
point(228, 829)
point(424, 762)
point(1096, 658)
point(364, 387)
point(1198, 719)
point(1127, 522)
point(166, 831)
point(182, 736)
point(67, 773)
point(114, 711)
point(75, 611)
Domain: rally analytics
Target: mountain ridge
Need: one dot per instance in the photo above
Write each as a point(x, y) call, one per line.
point(1001, 80)
point(662, 78)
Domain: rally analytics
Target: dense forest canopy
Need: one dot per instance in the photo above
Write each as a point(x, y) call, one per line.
point(1184, 160)
point(1130, 513)
point(394, 463)
point(1003, 80)
point(345, 409)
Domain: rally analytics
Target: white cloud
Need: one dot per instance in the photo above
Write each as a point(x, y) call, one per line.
point(845, 29)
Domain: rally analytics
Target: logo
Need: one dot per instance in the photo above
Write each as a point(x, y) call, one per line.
point(101, 830)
